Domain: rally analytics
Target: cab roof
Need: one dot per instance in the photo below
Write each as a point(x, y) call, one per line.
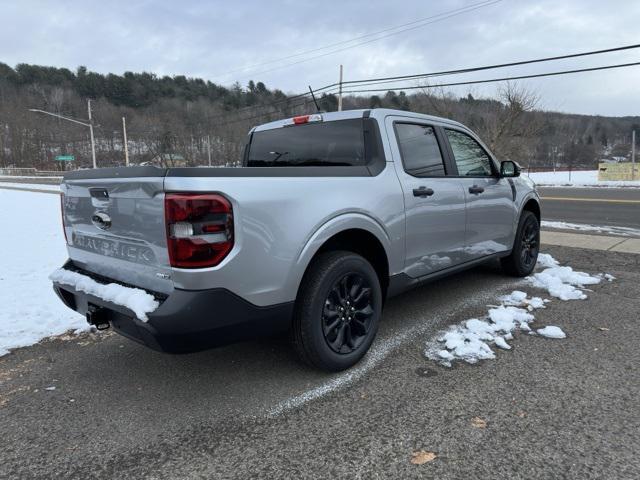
point(378, 113)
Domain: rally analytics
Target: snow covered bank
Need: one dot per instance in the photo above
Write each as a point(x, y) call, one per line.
point(585, 227)
point(35, 186)
point(34, 177)
point(135, 299)
point(471, 340)
point(31, 246)
point(588, 178)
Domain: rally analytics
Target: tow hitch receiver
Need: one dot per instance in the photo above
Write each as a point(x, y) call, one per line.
point(97, 316)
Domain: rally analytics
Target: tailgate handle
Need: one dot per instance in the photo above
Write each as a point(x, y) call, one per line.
point(99, 193)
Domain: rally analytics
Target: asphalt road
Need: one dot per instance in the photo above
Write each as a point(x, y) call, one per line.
point(596, 206)
point(553, 408)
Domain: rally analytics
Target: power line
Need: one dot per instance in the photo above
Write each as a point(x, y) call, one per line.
point(381, 80)
point(451, 84)
point(343, 42)
point(470, 82)
point(503, 79)
point(443, 16)
point(327, 89)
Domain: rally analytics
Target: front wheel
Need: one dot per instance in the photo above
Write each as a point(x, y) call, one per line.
point(526, 246)
point(337, 311)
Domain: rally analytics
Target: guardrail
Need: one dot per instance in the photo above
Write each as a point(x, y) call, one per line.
point(29, 172)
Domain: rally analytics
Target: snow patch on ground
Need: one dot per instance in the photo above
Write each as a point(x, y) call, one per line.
point(135, 299)
point(546, 260)
point(563, 282)
point(472, 340)
point(551, 331)
point(577, 179)
point(585, 227)
point(32, 245)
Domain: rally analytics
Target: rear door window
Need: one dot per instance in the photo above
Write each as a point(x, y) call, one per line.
point(420, 151)
point(337, 143)
point(471, 159)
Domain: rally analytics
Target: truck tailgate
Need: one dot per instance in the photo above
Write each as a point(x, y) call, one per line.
point(115, 227)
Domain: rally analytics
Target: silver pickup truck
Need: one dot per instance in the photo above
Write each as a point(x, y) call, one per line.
point(330, 215)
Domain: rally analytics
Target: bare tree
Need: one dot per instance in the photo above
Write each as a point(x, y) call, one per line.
point(508, 123)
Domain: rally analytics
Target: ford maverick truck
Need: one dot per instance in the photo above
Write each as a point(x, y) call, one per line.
point(329, 215)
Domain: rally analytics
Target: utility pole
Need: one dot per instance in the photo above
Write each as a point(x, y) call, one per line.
point(93, 143)
point(633, 154)
point(209, 149)
point(340, 91)
point(90, 125)
point(126, 146)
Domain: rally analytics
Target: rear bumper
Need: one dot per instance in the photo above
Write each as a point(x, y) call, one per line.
point(186, 320)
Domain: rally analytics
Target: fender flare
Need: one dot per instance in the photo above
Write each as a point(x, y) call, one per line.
point(333, 226)
point(530, 196)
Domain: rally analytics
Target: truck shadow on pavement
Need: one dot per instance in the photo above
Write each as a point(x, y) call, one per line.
point(239, 378)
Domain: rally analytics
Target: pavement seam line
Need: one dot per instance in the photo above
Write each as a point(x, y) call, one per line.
point(619, 243)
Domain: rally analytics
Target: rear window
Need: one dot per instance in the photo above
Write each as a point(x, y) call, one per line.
point(338, 143)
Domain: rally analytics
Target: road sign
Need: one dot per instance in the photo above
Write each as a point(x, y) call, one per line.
point(617, 171)
point(65, 158)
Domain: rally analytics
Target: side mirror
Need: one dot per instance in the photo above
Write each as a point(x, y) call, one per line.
point(509, 169)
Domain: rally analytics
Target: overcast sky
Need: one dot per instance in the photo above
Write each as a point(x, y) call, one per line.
point(215, 40)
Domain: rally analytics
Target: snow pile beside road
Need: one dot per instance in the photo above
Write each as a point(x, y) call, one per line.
point(471, 340)
point(31, 186)
point(578, 179)
point(585, 227)
point(32, 245)
point(135, 299)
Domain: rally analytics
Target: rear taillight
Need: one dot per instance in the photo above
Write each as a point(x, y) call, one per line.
point(199, 229)
point(64, 229)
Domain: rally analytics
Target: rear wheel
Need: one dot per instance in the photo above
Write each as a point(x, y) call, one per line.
point(337, 311)
point(526, 247)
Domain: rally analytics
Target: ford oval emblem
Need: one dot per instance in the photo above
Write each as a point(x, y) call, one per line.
point(101, 220)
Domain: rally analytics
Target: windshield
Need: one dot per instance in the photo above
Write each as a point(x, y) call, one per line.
point(338, 143)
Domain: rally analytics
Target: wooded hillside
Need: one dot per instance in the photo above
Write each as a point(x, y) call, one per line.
point(171, 119)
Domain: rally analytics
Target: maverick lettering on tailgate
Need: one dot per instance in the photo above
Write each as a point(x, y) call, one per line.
point(117, 249)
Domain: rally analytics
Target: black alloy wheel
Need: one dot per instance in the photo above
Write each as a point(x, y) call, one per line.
point(526, 246)
point(530, 243)
point(337, 310)
point(347, 313)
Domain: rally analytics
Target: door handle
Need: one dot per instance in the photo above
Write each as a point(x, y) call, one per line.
point(476, 189)
point(422, 192)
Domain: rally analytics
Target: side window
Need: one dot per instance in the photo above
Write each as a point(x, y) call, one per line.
point(420, 151)
point(470, 157)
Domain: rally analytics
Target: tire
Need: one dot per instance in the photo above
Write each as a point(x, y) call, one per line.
point(324, 336)
point(526, 247)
